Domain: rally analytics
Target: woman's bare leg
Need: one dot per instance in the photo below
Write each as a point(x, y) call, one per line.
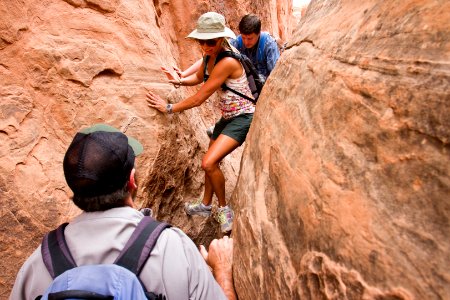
point(208, 195)
point(218, 149)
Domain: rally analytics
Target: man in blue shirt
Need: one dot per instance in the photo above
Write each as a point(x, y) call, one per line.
point(260, 47)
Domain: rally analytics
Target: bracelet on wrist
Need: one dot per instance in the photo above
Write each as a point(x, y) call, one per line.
point(169, 107)
point(178, 84)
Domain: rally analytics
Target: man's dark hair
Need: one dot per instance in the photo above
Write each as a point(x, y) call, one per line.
point(102, 202)
point(250, 24)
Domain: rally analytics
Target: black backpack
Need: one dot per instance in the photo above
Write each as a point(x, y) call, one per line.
point(254, 80)
point(100, 281)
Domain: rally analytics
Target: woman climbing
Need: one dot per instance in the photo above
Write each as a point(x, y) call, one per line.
point(237, 113)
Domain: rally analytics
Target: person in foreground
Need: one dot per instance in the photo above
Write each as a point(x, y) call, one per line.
point(237, 112)
point(99, 169)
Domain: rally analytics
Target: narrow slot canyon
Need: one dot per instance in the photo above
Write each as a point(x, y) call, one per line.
point(341, 188)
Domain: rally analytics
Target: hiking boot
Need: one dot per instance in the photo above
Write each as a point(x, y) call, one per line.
point(197, 208)
point(210, 131)
point(225, 217)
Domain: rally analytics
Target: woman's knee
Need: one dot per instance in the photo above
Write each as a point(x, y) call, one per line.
point(209, 166)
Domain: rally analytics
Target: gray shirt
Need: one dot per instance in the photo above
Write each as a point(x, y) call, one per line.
point(175, 267)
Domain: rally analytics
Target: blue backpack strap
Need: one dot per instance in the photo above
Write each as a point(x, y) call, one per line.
point(240, 44)
point(56, 253)
point(141, 243)
point(261, 45)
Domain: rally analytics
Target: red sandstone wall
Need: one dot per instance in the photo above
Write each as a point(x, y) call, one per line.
point(345, 179)
point(69, 64)
point(345, 175)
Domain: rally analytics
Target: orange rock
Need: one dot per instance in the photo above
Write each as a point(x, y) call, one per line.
point(68, 64)
point(344, 185)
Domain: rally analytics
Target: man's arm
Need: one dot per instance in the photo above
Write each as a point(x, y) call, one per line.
point(220, 259)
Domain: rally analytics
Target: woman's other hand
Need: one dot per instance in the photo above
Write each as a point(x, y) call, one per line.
point(172, 75)
point(178, 71)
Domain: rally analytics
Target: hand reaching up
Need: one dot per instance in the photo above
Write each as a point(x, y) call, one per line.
point(173, 75)
point(178, 71)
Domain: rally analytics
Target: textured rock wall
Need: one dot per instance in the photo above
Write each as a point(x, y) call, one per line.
point(68, 64)
point(345, 179)
point(344, 195)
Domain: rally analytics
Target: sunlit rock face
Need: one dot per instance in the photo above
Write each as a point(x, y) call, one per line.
point(345, 176)
point(65, 65)
point(344, 185)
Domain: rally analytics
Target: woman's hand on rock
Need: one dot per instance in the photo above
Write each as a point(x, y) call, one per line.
point(155, 101)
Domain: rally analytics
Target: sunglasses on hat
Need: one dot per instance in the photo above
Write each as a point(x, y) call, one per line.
point(209, 43)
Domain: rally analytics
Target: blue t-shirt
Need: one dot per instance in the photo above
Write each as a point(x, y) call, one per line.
point(264, 62)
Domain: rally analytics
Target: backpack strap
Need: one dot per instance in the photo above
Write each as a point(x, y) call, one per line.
point(238, 57)
point(227, 53)
point(205, 61)
point(261, 45)
point(240, 44)
point(56, 253)
point(137, 249)
point(226, 87)
point(78, 294)
point(58, 259)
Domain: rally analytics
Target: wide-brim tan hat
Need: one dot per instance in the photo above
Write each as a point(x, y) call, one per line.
point(211, 25)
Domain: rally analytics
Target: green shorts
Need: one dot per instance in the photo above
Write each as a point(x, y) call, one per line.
point(236, 128)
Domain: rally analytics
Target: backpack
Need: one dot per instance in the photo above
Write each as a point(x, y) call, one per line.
point(261, 45)
point(104, 281)
point(254, 81)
